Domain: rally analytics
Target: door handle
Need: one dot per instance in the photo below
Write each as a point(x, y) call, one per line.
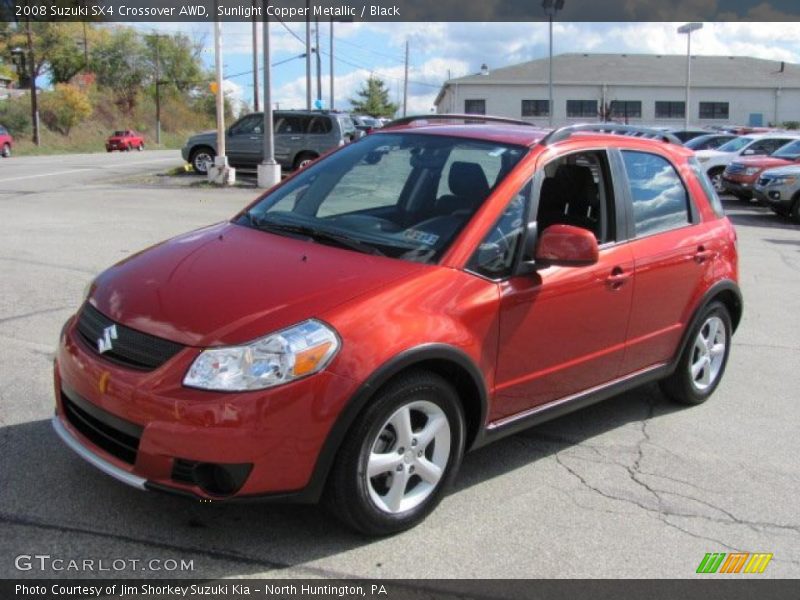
point(702, 255)
point(294, 138)
point(617, 278)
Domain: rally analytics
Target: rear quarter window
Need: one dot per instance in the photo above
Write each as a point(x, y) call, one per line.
point(708, 188)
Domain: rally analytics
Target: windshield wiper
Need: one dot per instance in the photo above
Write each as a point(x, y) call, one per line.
point(318, 235)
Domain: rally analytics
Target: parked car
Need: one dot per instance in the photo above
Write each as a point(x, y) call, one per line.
point(709, 141)
point(6, 142)
point(741, 175)
point(365, 123)
point(300, 137)
point(420, 293)
point(684, 135)
point(780, 190)
point(125, 140)
point(715, 161)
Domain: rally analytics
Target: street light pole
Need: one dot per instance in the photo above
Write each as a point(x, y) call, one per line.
point(688, 29)
point(221, 172)
point(269, 171)
point(551, 7)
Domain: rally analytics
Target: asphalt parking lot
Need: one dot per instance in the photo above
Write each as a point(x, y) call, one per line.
point(633, 487)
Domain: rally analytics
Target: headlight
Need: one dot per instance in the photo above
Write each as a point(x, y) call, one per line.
point(278, 358)
point(783, 180)
point(751, 170)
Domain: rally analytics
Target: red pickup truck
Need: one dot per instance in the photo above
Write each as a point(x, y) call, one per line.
point(6, 142)
point(125, 141)
point(741, 175)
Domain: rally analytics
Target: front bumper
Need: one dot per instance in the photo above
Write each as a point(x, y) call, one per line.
point(277, 434)
point(778, 198)
point(738, 188)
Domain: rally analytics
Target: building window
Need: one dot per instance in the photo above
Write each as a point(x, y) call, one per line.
point(582, 108)
point(475, 107)
point(626, 109)
point(713, 110)
point(670, 110)
point(535, 108)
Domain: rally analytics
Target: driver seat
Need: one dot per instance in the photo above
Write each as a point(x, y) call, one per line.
point(468, 189)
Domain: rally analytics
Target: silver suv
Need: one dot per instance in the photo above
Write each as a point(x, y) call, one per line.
point(780, 190)
point(300, 137)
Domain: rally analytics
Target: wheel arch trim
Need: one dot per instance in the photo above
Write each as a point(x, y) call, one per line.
point(416, 356)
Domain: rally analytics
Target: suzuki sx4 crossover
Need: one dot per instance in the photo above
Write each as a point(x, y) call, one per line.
point(426, 290)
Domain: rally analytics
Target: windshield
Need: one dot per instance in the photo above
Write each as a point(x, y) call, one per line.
point(735, 145)
point(119, 134)
point(404, 195)
point(790, 151)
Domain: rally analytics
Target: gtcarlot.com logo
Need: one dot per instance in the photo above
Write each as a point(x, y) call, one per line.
point(49, 563)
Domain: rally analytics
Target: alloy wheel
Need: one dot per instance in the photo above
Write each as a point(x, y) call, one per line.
point(708, 354)
point(408, 457)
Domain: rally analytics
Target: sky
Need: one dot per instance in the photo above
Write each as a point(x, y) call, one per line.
point(441, 50)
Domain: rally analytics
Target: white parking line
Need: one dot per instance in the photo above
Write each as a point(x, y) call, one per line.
point(44, 175)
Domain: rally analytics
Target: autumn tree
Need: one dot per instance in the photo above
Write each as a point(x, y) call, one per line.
point(373, 99)
point(65, 107)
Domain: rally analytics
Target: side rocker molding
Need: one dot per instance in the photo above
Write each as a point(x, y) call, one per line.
point(413, 356)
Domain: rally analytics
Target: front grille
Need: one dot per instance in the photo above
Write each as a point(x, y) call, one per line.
point(735, 169)
point(131, 348)
point(114, 435)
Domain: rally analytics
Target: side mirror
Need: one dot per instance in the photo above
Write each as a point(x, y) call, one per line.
point(565, 245)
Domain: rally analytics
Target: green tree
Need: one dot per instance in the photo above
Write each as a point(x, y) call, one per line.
point(373, 99)
point(176, 59)
point(119, 64)
point(64, 107)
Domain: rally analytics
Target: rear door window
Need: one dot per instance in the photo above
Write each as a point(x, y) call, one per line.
point(660, 200)
point(289, 125)
point(319, 125)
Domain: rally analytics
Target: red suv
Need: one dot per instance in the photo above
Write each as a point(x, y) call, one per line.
point(431, 288)
point(125, 140)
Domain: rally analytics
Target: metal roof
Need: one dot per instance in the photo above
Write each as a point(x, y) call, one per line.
point(645, 70)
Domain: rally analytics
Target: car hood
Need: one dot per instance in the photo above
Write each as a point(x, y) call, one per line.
point(712, 153)
point(204, 135)
point(786, 170)
point(228, 284)
point(763, 162)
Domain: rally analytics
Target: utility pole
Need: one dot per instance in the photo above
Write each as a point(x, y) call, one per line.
point(255, 60)
point(319, 62)
point(220, 173)
point(405, 85)
point(308, 55)
point(158, 88)
point(85, 48)
point(269, 171)
point(331, 64)
point(34, 97)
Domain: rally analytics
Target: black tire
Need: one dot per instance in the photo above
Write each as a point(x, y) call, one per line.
point(202, 158)
point(794, 212)
point(140, 147)
point(6, 153)
point(303, 159)
point(715, 175)
point(128, 148)
point(350, 492)
point(683, 386)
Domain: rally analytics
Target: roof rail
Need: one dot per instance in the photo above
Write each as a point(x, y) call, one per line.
point(563, 133)
point(455, 117)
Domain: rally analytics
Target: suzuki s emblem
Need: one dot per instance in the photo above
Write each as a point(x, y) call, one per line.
point(104, 343)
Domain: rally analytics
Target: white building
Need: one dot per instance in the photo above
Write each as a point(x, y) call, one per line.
point(641, 89)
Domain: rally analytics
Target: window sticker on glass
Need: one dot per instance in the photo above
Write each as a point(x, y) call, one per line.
point(423, 237)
